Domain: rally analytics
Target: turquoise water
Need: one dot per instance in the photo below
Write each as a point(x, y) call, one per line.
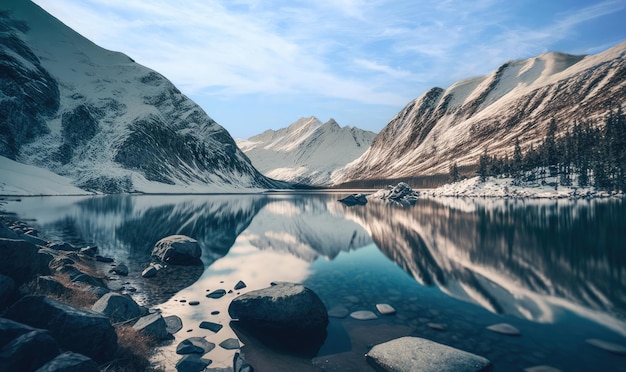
point(556, 270)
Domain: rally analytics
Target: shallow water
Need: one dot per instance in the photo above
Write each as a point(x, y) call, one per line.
point(556, 270)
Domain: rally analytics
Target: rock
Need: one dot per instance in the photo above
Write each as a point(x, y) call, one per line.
point(77, 276)
point(149, 272)
point(240, 365)
point(6, 233)
point(192, 363)
point(230, 344)
point(354, 199)
point(89, 251)
point(104, 259)
point(70, 362)
point(177, 250)
point(194, 345)
point(218, 293)
point(240, 285)
point(152, 325)
point(194, 303)
point(7, 286)
point(33, 239)
point(339, 311)
point(18, 260)
point(215, 312)
point(62, 246)
point(285, 316)
point(283, 307)
point(60, 261)
point(28, 351)
point(352, 299)
point(363, 315)
point(385, 309)
point(541, 368)
point(418, 354)
point(437, 326)
point(120, 269)
point(78, 330)
point(505, 329)
point(401, 194)
point(174, 323)
point(608, 346)
point(10, 330)
point(49, 285)
point(213, 327)
point(44, 257)
point(119, 308)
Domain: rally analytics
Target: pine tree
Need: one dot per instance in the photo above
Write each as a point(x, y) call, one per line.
point(483, 163)
point(454, 172)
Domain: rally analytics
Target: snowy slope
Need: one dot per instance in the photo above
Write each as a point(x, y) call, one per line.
point(307, 151)
point(518, 100)
point(22, 179)
point(102, 120)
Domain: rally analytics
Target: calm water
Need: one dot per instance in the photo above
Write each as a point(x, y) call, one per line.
point(556, 270)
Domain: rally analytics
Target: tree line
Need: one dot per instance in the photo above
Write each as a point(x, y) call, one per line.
point(593, 152)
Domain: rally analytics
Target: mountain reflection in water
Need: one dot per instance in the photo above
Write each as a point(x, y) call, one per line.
point(526, 258)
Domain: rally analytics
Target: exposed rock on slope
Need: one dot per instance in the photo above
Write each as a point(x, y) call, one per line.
point(518, 100)
point(102, 120)
point(307, 151)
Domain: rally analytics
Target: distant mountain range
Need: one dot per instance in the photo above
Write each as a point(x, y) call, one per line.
point(101, 120)
point(518, 100)
point(307, 151)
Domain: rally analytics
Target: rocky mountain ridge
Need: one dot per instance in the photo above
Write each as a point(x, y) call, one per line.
point(103, 121)
point(307, 151)
point(518, 100)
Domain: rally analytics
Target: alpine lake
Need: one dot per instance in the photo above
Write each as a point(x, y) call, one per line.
point(451, 267)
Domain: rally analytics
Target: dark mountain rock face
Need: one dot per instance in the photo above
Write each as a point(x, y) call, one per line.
point(518, 100)
point(102, 120)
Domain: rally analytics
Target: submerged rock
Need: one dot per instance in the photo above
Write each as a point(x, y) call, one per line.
point(385, 309)
point(177, 250)
point(363, 315)
point(339, 311)
point(174, 323)
point(505, 329)
point(608, 346)
point(409, 354)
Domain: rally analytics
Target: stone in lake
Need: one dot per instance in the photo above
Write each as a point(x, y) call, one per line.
point(339, 311)
point(240, 285)
point(363, 315)
point(70, 362)
point(177, 250)
point(149, 272)
point(83, 331)
point(608, 346)
point(385, 309)
point(407, 354)
point(505, 329)
point(192, 363)
point(213, 327)
point(437, 326)
point(194, 345)
point(173, 323)
point(284, 315)
point(230, 344)
point(354, 199)
point(541, 368)
point(194, 303)
point(218, 293)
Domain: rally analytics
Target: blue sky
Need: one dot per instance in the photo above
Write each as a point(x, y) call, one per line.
point(259, 64)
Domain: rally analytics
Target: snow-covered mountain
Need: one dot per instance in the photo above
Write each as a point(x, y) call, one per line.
point(307, 151)
point(518, 100)
point(101, 120)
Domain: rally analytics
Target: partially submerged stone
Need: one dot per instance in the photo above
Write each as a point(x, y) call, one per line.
point(408, 354)
point(385, 309)
point(177, 250)
point(194, 345)
point(363, 315)
point(218, 293)
point(230, 344)
point(192, 363)
point(354, 199)
point(608, 346)
point(152, 325)
point(505, 329)
point(339, 311)
point(173, 323)
point(213, 327)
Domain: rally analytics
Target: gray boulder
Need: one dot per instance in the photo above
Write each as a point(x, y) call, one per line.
point(28, 351)
point(407, 354)
point(118, 307)
point(70, 362)
point(49, 285)
point(18, 260)
point(194, 345)
point(6, 233)
point(354, 199)
point(286, 315)
point(401, 194)
point(120, 269)
point(177, 250)
point(82, 331)
point(192, 363)
point(153, 325)
point(10, 330)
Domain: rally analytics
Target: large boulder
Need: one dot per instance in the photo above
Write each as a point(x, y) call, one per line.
point(354, 199)
point(70, 362)
point(28, 351)
point(10, 330)
point(7, 286)
point(7, 233)
point(408, 354)
point(285, 315)
point(18, 260)
point(152, 325)
point(118, 307)
point(401, 194)
point(82, 331)
point(177, 250)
